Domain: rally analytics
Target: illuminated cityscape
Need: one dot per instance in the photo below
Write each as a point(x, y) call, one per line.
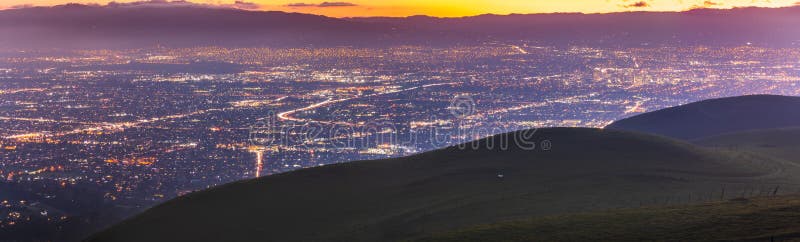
point(118, 131)
point(351, 120)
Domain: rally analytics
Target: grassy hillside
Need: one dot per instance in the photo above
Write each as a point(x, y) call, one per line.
point(717, 116)
point(783, 144)
point(756, 219)
point(434, 192)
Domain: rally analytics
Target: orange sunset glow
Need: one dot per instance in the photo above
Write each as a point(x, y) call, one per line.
point(447, 8)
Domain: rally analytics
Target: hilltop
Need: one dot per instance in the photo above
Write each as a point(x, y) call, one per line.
point(422, 195)
point(716, 117)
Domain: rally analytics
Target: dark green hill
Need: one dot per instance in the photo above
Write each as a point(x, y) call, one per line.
point(717, 116)
point(764, 218)
point(783, 144)
point(425, 194)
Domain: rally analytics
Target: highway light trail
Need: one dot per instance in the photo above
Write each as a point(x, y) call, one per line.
point(287, 116)
point(43, 120)
point(520, 49)
point(637, 108)
point(103, 126)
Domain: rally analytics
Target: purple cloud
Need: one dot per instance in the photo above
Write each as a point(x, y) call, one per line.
point(322, 5)
point(300, 5)
point(337, 4)
point(183, 3)
point(245, 5)
point(639, 4)
point(22, 6)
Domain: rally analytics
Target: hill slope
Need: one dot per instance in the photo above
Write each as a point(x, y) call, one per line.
point(406, 198)
point(780, 144)
point(756, 219)
point(717, 116)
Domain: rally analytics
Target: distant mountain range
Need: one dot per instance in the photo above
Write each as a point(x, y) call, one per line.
point(479, 192)
point(82, 26)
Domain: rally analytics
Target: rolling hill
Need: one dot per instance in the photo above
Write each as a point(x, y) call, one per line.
point(454, 188)
point(782, 144)
point(765, 218)
point(717, 116)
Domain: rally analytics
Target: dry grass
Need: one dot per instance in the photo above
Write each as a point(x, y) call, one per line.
point(755, 219)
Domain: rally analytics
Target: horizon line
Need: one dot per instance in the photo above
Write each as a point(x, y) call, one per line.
point(7, 8)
